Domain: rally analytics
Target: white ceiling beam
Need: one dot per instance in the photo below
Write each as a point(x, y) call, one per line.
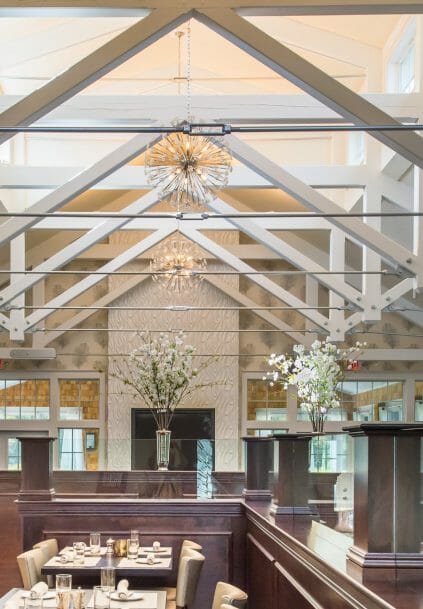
point(75, 186)
point(94, 110)
point(261, 280)
point(285, 251)
point(71, 251)
point(311, 79)
point(354, 227)
point(90, 281)
point(267, 316)
point(91, 68)
point(250, 7)
point(133, 177)
point(146, 223)
point(46, 338)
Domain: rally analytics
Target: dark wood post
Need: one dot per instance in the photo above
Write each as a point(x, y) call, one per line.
point(258, 465)
point(291, 479)
point(36, 469)
point(387, 513)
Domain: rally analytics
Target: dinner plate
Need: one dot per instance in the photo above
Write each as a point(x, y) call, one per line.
point(46, 596)
point(143, 561)
point(150, 550)
point(133, 596)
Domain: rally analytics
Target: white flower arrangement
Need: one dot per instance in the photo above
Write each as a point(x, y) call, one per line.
point(316, 374)
point(161, 371)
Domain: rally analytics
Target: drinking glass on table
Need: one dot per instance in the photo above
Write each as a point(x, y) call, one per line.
point(135, 536)
point(108, 577)
point(63, 590)
point(79, 549)
point(101, 597)
point(132, 547)
point(95, 543)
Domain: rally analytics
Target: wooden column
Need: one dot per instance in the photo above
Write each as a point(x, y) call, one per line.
point(387, 511)
point(291, 481)
point(258, 465)
point(36, 469)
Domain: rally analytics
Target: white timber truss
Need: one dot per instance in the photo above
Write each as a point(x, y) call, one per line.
point(322, 98)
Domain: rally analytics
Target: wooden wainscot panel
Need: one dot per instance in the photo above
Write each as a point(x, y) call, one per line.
point(289, 594)
point(219, 526)
point(261, 576)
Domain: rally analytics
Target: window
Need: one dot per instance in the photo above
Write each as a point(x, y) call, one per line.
point(22, 399)
point(371, 400)
point(356, 148)
point(79, 399)
point(418, 401)
point(13, 454)
point(76, 452)
point(406, 71)
point(331, 453)
point(264, 402)
point(401, 66)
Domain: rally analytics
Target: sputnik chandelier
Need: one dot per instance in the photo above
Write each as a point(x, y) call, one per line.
point(176, 264)
point(188, 169)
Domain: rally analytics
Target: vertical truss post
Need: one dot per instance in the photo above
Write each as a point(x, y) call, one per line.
point(336, 263)
point(17, 263)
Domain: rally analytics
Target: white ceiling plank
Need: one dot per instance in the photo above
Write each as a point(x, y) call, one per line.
point(233, 261)
point(133, 177)
point(91, 68)
point(311, 79)
point(88, 282)
point(387, 248)
point(71, 251)
point(418, 207)
point(75, 186)
point(286, 251)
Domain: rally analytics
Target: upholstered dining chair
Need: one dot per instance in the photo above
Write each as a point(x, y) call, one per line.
point(189, 569)
point(187, 544)
point(30, 564)
point(49, 547)
point(227, 594)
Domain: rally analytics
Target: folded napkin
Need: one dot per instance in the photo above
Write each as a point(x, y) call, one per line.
point(65, 557)
point(122, 589)
point(38, 590)
point(150, 560)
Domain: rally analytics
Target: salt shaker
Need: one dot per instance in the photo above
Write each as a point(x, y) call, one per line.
point(79, 599)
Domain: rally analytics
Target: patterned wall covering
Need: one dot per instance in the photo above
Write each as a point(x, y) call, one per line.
point(222, 397)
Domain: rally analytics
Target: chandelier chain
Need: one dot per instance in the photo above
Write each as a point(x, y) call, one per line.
point(189, 108)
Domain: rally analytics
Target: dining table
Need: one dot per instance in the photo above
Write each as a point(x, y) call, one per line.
point(125, 567)
point(144, 599)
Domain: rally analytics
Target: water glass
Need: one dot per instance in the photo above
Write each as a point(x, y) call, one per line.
point(79, 548)
point(132, 549)
point(101, 597)
point(95, 543)
point(63, 590)
point(108, 577)
point(135, 536)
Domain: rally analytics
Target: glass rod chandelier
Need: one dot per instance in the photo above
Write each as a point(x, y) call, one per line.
point(177, 264)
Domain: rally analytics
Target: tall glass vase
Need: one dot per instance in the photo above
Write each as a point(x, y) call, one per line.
point(163, 448)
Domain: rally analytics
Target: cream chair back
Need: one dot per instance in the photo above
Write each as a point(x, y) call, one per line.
point(30, 564)
point(190, 545)
point(226, 594)
point(49, 547)
point(189, 570)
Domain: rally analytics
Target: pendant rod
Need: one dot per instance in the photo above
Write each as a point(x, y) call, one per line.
point(397, 273)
